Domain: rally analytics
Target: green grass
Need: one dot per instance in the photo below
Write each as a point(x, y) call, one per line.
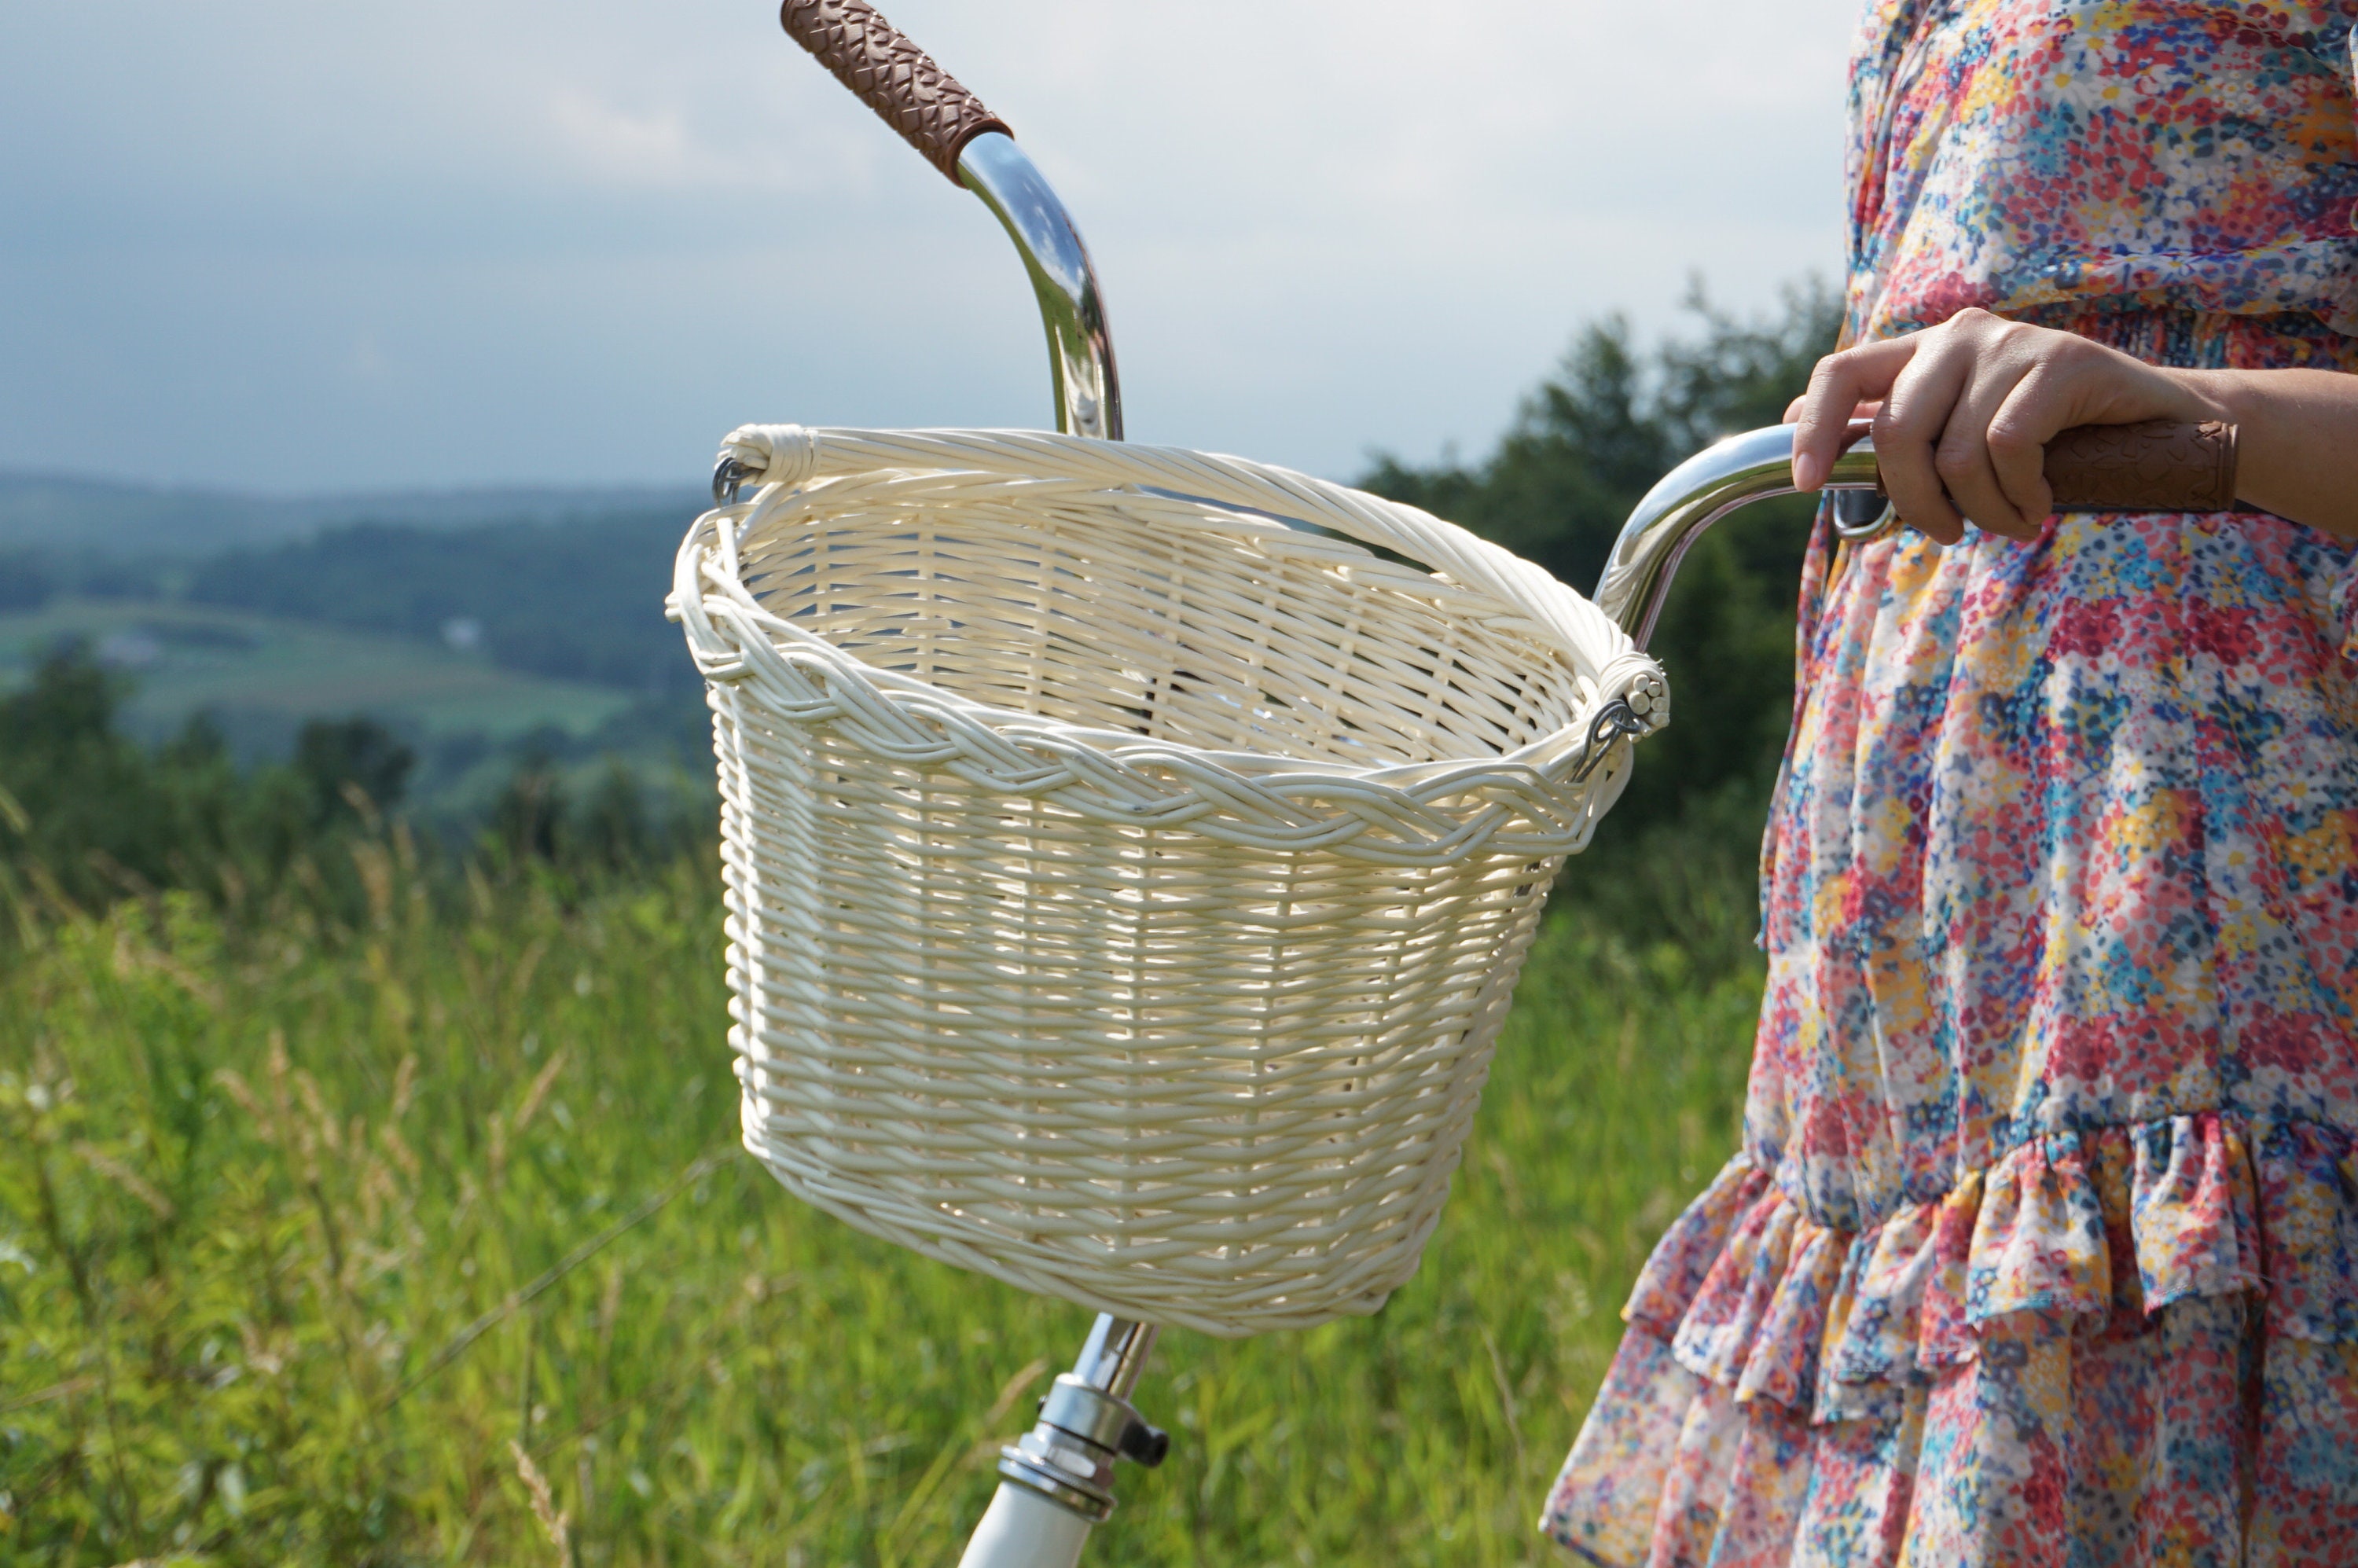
point(301, 1230)
point(189, 658)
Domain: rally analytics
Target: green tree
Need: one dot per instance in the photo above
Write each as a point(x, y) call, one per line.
point(1586, 444)
point(613, 831)
point(87, 807)
point(530, 820)
point(93, 815)
point(347, 765)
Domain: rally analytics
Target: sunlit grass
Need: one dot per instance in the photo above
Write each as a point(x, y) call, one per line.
point(306, 1234)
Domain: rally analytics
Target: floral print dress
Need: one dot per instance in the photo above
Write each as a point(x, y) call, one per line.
point(2042, 1248)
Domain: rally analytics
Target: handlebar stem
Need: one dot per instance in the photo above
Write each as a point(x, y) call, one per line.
point(1072, 307)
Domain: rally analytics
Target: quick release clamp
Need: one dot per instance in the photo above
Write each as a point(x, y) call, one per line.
point(1086, 1424)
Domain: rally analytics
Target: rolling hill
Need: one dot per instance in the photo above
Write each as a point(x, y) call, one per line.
point(61, 514)
point(260, 674)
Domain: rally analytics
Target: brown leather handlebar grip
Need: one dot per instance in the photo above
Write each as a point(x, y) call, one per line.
point(891, 76)
point(2156, 466)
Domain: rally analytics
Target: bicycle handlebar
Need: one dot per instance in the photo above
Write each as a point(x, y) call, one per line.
point(2156, 466)
point(909, 92)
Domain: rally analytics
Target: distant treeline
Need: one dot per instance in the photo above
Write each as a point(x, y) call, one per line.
point(580, 600)
point(26, 579)
point(576, 602)
point(87, 815)
point(583, 601)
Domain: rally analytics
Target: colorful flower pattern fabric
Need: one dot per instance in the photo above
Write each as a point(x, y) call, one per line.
point(2187, 156)
point(2043, 1246)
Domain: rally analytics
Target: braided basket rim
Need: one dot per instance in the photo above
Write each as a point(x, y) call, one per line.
point(1409, 812)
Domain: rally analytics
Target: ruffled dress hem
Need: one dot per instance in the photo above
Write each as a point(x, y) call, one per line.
point(1790, 1392)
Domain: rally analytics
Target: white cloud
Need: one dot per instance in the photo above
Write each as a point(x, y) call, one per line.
point(613, 143)
point(592, 235)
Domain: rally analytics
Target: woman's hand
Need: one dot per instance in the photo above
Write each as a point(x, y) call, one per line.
point(1963, 412)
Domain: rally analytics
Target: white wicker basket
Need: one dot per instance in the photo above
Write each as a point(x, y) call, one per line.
point(1126, 882)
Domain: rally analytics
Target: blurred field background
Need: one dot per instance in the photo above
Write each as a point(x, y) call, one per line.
point(309, 1226)
point(369, 1190)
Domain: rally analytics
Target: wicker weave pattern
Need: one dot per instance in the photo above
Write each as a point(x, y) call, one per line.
point(1125, 885)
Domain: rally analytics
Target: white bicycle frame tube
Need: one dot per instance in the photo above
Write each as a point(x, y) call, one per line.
point(1023, 1529)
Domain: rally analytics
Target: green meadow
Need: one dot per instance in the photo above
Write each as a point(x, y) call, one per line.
point(369, 1199)
point(420, 1235)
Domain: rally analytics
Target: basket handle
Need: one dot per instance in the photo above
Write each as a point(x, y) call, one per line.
point(893, 76)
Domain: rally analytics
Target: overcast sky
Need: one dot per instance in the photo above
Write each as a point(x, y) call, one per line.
point(284, 245)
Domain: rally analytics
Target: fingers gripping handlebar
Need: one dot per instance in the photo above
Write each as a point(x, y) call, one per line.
point(2153, 467)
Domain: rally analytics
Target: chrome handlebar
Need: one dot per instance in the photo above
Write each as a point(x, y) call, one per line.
point(1072, 307)
point(1701, 490)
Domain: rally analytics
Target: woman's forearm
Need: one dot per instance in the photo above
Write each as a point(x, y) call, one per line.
point(2297, 441)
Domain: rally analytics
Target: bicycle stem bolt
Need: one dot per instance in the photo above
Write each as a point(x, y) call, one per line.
point(1068, 1456)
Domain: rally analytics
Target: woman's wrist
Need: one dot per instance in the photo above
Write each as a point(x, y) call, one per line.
point(2296, 439)
point(2211, 394)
